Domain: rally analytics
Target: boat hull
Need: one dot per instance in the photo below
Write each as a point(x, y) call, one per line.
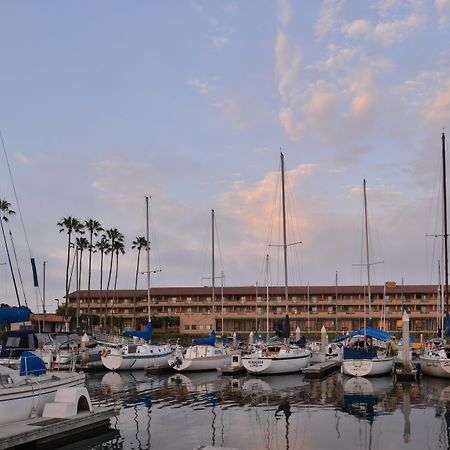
point(116, 359)
point(28, 399)
point(276, 365)
point(200, 364)
point(367, 367)
point(434, 366)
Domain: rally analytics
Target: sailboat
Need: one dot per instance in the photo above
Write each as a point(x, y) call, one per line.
point(282, 357)
point(203, 354)
point(139, 355)
point(367, 360)
point(436, 360)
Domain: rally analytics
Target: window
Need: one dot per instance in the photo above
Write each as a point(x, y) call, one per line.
point(194, 326)
point(186, 327)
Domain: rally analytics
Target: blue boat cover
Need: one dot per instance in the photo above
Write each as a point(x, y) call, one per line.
point(146, 334)
point(370, 332)
point(350, 353)
point(31, 364)
point(13, 315)
point(210, 340)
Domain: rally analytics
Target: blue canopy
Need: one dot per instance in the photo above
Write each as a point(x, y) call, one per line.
point(210, 340)
point(370, 332)
point(12, 315)
point(146, 334)
point(31, 364)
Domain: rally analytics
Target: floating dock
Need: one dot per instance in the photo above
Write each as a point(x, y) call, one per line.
point(42, 432)
point(321, 370)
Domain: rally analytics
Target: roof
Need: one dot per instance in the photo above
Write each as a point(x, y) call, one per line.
point(48, 317)
point(251, 290)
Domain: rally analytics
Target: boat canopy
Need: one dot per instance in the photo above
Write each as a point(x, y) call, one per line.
point(210, 340)
point(31, 364)
point(13, 315)
point(370, 332)
point(146, 334)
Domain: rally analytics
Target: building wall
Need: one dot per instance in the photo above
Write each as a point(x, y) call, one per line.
point(244, 310)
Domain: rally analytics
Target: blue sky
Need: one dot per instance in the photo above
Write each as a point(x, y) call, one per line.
point(191, 101)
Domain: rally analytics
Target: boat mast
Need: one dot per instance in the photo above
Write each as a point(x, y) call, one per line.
point(284, 236)
point(444, 189)
point(212, 266)
point(367, 252)
point(147, 248)
point(267, 297)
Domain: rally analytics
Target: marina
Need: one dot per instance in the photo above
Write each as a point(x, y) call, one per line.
point(185, 411)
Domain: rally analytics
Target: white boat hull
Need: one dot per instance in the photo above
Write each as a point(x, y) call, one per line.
point(201, 364)
point(435, 366)
point(152, 356)
point(367, 367)
point(28, 399)
point(260, 365)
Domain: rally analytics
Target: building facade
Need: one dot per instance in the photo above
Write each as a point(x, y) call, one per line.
point(242, 309)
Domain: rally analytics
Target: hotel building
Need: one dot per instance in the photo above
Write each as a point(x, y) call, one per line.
point(243, 309)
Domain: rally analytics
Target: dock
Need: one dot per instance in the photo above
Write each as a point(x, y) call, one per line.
point(321, 370)
point(41, 432)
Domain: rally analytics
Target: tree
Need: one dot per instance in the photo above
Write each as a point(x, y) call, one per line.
point(115, 243)
point(104, 248)
point(5, 211)
point(93, 227)
point(70, 225)
point(139, 243)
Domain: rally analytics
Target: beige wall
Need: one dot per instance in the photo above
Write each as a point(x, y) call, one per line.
point(196, 323)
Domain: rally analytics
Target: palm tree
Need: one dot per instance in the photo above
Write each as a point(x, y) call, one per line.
point(113, 235)
point(104, 248)
point(93, 227)
point(139, 243)
point(69, 225)
point(119, 247)
point(81, 244)
point(5, 211)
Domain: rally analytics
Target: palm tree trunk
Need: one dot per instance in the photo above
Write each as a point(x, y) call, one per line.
point(135, 288)
point(66, 308)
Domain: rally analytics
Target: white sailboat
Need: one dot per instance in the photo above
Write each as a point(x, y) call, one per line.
point(203, 354)
point(373, 360)
point(282, 357)
point(435, 361)
point(139, 355)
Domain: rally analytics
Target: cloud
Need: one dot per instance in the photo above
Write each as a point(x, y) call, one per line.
point(357, 28)
point(25, 160)
point(387, 32)
point(328, 17)
point(219, 41)
point(231, 8)
point(285, 11)
point(443, 7)
point(437, 108)
point(201, 86)
point(390, 32)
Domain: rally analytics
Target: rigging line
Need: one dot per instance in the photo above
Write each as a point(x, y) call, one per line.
point(15, 194)
point(18, 269)
point(155, 248)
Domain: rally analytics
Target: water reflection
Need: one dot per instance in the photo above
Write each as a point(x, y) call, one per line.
point(273, 412)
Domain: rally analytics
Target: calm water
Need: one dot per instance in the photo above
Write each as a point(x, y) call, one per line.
point(175, 411)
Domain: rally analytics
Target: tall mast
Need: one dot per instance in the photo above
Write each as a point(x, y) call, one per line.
point(267, 297)
point(147, 248)
point(367, 252)
point(444, 189)
point(284, 235)
point(212, 265)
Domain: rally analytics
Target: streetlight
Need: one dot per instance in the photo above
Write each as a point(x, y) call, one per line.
point(57, 301)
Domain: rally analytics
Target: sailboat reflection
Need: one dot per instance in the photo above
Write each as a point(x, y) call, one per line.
point(361, 396)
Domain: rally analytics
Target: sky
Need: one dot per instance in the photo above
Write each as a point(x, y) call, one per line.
point(190, 102)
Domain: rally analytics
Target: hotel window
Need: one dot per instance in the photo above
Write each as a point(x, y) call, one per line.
point(186, 327)
point(194, 326)
point(314, 299)
point(189, 310)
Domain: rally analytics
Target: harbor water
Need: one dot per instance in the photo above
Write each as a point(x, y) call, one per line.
point(184, 411)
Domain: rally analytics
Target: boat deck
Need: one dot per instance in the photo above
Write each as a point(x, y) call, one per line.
point(321, 370)
point(46, 432)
